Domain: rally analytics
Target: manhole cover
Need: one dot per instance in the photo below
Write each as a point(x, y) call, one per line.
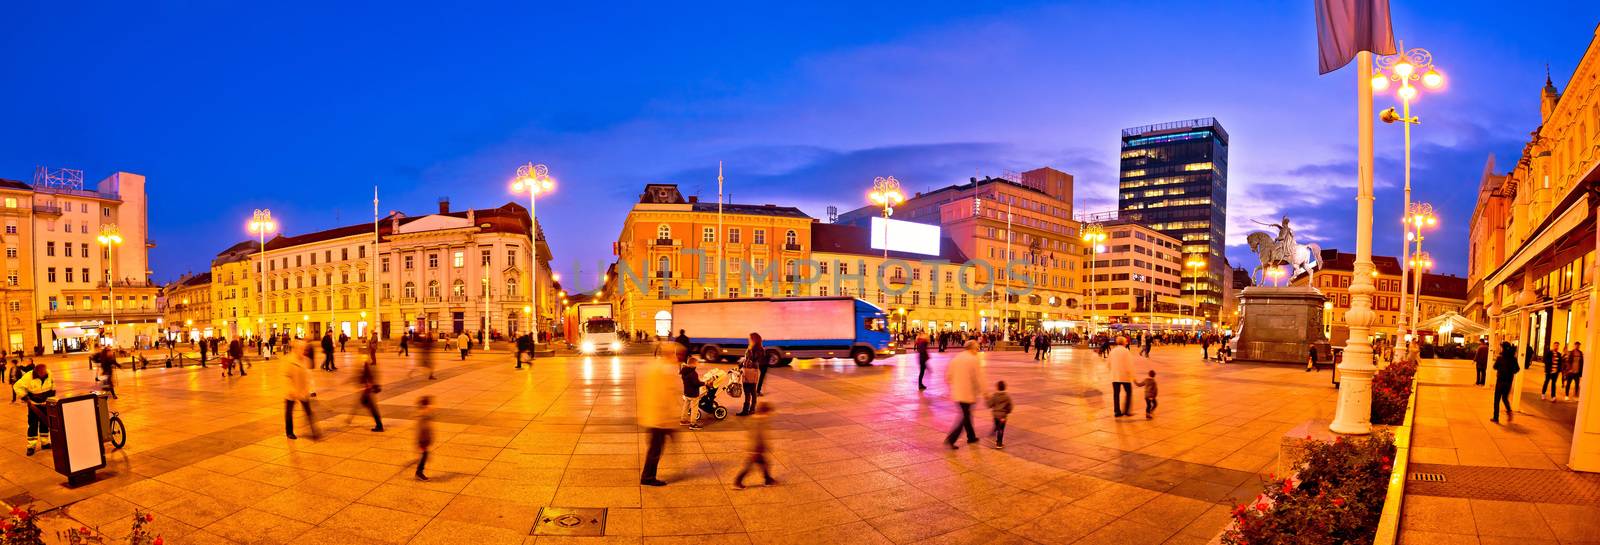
point(570, 521)
point(1428, 477)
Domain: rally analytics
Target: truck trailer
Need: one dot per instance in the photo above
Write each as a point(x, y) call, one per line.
point(790, 327)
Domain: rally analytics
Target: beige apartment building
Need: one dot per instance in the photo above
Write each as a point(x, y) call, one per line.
point(18, 328)
point(85, 290)
point(1136, 280)
point(188, 316)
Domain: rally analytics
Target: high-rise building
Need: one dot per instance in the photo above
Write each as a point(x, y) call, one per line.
point(85, 288)
point(1175, 180)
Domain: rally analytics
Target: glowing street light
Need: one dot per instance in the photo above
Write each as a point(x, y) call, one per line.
point(1405, 67)
point(886, 193)
point(534, 179)
point(1093, 234)
point(111, 237)
point(261, 223)
point(1196, 263)
point(1418, 216)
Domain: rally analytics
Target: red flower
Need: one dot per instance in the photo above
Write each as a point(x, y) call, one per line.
point(1384, 459)
point(1386, 467)
point(1338, 502)
point(149, 517)
point(7, 526)
point(159, 541)
point(1288, 487)
point(83, 530)
point(1261, 506)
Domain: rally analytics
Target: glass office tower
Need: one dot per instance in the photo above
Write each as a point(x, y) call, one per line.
point(1175, 180)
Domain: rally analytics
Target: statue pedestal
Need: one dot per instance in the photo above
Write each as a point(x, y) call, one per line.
point(1278, 325)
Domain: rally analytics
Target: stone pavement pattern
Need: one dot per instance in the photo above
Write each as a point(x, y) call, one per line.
point(858, 454)
point(1504, 483)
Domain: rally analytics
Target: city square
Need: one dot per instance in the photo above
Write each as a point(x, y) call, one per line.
point(1162, 272)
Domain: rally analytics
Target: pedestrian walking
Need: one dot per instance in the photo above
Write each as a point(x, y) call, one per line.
point(689, 377)
point(750, 375)
point(964, 375)
point(35, 387)
point(107, 361)
point(1572, 372)
point(1552, 371)
point(1149, 342)
point(343, 338)
point(524, 344)
point(656, 382)
point(1505, 369)
point(1480, 361)
point(758, 447)
point(463, 343)
point(367, 380)
point(922, 359)
point(999, 404)
point(424, 420)
point(204, 346)
point(297, 390)
point(1121, 361)
point(425, 359)
point(683, 340)
point(405, 344)
point(236, 351)
point(1149, 385)
point(327, 351)
point(1041, 346)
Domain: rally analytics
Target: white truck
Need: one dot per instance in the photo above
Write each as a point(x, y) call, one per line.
point(790, 327)
point(597, 330)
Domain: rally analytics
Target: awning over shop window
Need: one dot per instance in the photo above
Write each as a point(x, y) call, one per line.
point(68, 332)
point(1453, 323)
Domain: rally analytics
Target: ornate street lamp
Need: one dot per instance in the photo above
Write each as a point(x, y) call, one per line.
point(534, 179)
point(1411, 65)
point(261, 223)
point(111, 237)
point(886, 193)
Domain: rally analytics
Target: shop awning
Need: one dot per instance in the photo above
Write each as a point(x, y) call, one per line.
point(68, 332)
point(1453, 324)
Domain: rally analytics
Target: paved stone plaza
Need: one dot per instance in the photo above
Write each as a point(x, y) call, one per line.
point(858, 455)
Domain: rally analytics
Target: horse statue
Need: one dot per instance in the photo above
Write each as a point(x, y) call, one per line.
point(1282, 250)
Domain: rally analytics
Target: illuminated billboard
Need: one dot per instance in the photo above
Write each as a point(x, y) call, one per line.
point(905, 236)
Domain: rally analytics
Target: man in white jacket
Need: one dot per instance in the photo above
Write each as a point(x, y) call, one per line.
point(964, 374)
point(1121, 361)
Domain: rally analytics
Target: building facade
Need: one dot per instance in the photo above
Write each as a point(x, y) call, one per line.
point(235, 297)
point(1135, 280)
point(1532, 246)
point(19, 329)
point(86, 290)
point(671, 248)
point(919, 292)
point(437, 275)
point(188, 316)
point(1440, 293)
point(1174, 179)
point(1025, 224)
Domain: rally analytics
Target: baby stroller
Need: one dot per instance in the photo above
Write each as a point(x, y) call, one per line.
point(716, 380)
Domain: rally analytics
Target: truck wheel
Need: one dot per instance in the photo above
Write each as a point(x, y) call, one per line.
point(862, 356)
point(776, 357)
point(710, 354)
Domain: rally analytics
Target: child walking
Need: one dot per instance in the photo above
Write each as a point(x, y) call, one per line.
point(758, 446)
point(424, 433)
point(1149, 386)
point(999, 404)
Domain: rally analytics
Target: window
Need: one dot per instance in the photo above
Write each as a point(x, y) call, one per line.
point(733, 235)
point(11, 252)
point(327, 256)
point(758, 292)
point(383, 264)
point(313, 262)
point(85, 248)
point(433, 288)
point(760, 237)
point(822, 290)
point(52, 302)
point(11, 279)
point(84, 228)
point(791, 238)
point(409, 291)
point(433, 261)
point(386, 292)
point(663, 267)
point(708, 234)
point(50, 274)
point(486, 257)
point(15, 306)
point(69, 274)
point(458, 288)
point(344, 254)
point(663, 232)
point(11, 202)
point(66, 250)
point(409, 262)
point(458, 259)
point(50, 248)
point(511, 285)
point(83, 207)
point(361, 252)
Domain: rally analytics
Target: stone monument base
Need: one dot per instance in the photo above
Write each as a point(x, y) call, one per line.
point(1278, 325)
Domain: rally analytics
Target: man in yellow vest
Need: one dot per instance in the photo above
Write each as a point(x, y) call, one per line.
point(35, 387)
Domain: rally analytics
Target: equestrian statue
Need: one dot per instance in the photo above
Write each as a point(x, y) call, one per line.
point(1276, 251)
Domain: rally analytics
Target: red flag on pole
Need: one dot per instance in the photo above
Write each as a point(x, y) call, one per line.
point(1346, 27)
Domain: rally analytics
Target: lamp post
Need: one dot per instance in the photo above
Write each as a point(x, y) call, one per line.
point(1418, 215)
point(1093, 234)
point(1421, 262)
point(1196, 264)
point(885, 193)
point(1327, 320)
point(535, 179)
point(111, 237)
point(1415, 64)
point(260, 224)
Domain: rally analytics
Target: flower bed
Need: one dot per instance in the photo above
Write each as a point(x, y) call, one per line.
point(1391, 392)
point(1337, 497)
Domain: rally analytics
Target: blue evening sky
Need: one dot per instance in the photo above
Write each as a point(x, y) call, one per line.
point(303, 107)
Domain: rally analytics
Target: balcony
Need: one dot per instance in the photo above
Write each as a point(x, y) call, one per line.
point(408, 300)
point(791, 247)
point(129, 283)
point(666, 242)
point(129, 313)
point(897, 279)
point(432, 299)
point(458, 298)
point(47, 209)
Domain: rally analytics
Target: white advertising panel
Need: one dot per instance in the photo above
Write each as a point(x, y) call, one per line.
point(905, 236)
point(82, 422)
